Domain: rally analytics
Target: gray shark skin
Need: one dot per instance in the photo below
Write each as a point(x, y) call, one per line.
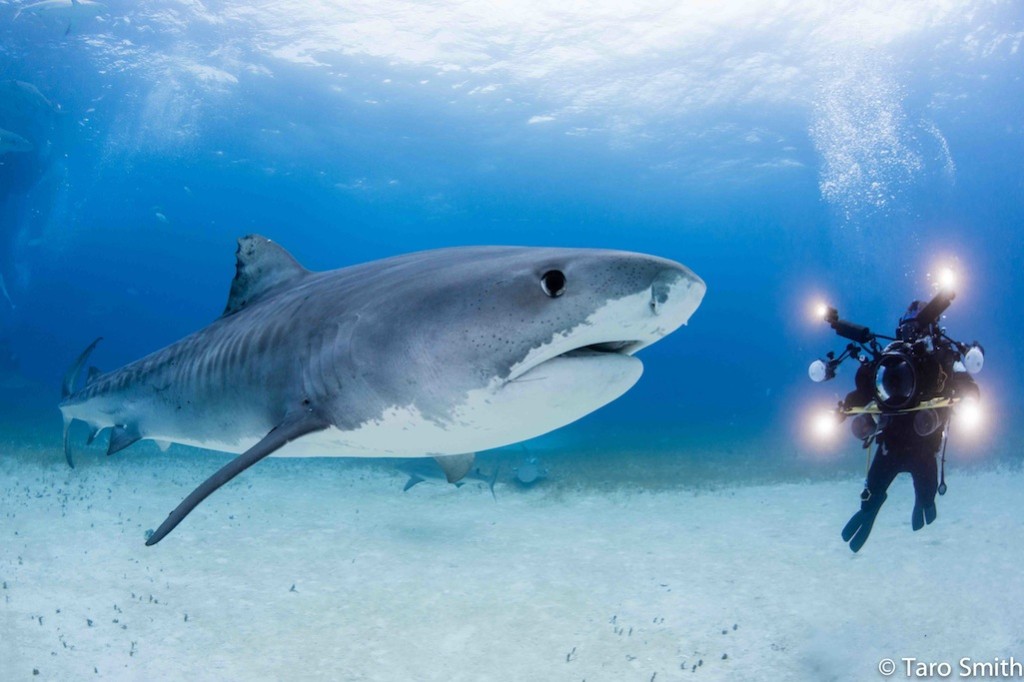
point(65, 9)
point(439, 353)
point(13, 142)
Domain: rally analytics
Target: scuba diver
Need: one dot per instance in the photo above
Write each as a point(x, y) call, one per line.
point(902, 404)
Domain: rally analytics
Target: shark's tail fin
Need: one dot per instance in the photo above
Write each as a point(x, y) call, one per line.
point(71, 376)
point(493, 480)
point(68, 387)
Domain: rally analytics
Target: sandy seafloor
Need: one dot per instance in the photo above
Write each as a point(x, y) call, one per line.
point(327, 571)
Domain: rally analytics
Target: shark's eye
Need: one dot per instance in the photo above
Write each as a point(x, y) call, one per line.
point(553, 283)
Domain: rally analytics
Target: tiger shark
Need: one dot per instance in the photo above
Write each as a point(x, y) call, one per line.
point(13, 142)
point(433, 354)
point(69, 11)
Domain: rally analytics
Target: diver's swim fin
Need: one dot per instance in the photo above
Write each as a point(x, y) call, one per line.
point(293, 426)
point(858, 528)
point(921, 516)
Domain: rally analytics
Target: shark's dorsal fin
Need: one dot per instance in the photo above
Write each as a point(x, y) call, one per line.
point(94, 373)
point(260, 266)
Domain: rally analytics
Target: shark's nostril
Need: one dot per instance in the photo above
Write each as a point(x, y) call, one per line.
point(660, 289)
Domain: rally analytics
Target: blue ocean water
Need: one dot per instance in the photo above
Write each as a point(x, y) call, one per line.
point(789, 153)
point(842, 154)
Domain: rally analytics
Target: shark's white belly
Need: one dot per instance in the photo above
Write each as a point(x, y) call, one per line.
point(548, 397)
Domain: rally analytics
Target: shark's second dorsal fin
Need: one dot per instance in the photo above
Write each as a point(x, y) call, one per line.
point(260, 266)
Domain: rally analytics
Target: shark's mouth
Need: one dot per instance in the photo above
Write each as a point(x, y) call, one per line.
point(620, 347)
point(605, 350)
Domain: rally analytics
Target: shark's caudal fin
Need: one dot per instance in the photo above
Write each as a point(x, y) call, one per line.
point(71, 376)
point(67, 444)
point(294, 426)
point(261, 266)
point(494, 479)
point(67, 388)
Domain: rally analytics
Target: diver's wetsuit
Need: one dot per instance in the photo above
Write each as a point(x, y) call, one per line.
point(902, 449)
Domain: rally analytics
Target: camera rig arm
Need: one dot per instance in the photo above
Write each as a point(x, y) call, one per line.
point(864, 340)
point(848, 330)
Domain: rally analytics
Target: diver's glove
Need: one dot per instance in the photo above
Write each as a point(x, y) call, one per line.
point(858, 528)
point(922, 515)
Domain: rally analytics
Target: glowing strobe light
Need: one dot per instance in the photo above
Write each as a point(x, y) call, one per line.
point(947, 279)
point(969, 415)
point(821, 310)
point(824, 425)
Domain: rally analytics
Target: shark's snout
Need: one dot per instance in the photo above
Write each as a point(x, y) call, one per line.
point(676, 292)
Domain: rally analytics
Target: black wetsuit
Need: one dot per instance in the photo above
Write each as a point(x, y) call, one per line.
point(900, 448)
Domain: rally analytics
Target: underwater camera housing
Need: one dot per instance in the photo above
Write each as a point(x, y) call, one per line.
point(916, 364)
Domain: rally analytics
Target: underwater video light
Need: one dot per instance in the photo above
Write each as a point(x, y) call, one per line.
point(932, 311)
point(819, 371)
point(847, 329)
point(974, 359)
point(969, 414)
point(824, 424)
point(947, 279)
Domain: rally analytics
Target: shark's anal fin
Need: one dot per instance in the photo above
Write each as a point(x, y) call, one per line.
point(294, 426)
point(121, 437)
point(455, 467)
point(413, 480)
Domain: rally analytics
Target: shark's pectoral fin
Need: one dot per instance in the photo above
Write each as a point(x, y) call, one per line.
point(294, 426)
point(455, 467)
point(121, 437)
